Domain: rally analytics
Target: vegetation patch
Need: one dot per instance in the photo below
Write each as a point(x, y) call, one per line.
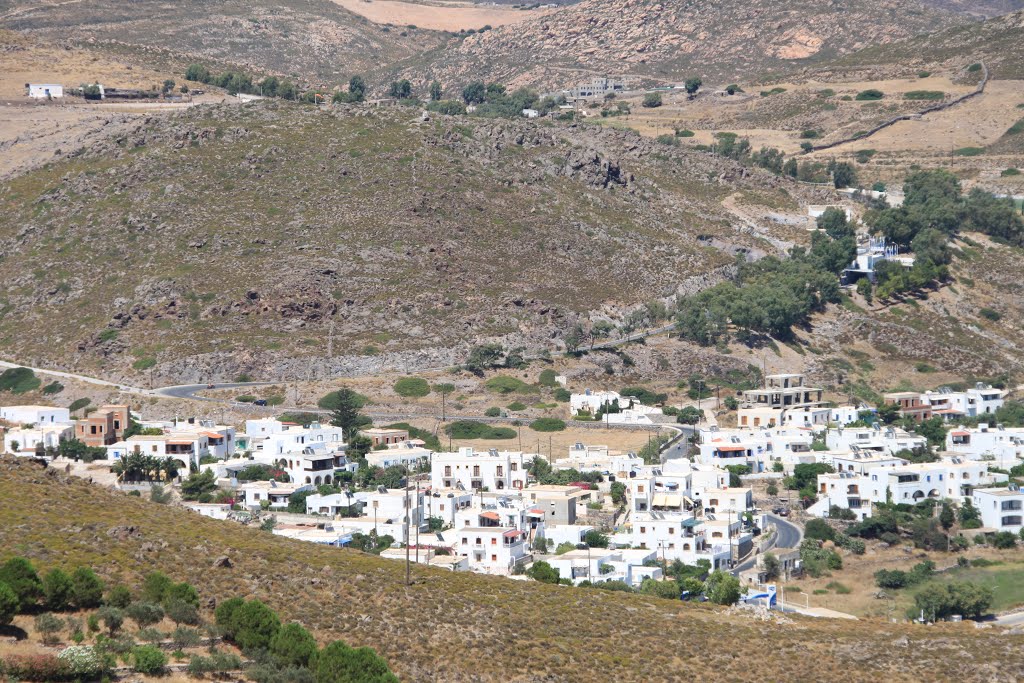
point(412, 387)
point(927, 95)
point(19, 380)
point(547, 424)
point(504, 384)
point(467, 429)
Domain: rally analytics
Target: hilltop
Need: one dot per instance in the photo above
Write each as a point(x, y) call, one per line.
point(669, 41)
point(462, 626)
point(317, 41)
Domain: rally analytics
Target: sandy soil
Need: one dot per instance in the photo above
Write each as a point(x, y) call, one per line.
point(440, 16)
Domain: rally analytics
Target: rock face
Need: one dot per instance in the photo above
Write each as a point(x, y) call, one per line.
point(672, 39)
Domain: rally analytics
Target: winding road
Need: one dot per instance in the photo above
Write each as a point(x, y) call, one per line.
point(788, 535)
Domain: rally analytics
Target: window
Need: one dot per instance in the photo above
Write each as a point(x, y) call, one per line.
point(514, 467)
point(494, 541)
point(465, 541)
point(643, 530)
point(447, 471)
point(501, 471)
point(476, 470)
point(494, 558)
point(640, 488)
point(672, 530)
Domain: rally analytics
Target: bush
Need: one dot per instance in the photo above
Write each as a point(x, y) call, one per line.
point(147, 659)
point(58, 590)
point(562, 395)
point(224, 616)
point(969, 151)
point(1007, 172)
point(294, 646)
point(338, 663)
point(547, 424)
point(517, 406)
point(684, 133)
point(255, 625)
point(891, 578)
point(42, 667)
point(182, 612)
point(144, 613)
point(83, 662)
point(652, 100)
point(19, 380)
point(8, 604)
point(218, 662)
point(1004, 540)
point(870, 95)
point(467, 429)
point(20, 576)
point(493, 411)
point(53, 388)
point(112, 618)
point(503, 384)
point(924, 95)
point(183, 637)
point(722, 588)
point(48, 625)
point(184, 592)
point(87, 589)
point(667, 139)
point(819, 529)
point(412, 387)
point(990, 314)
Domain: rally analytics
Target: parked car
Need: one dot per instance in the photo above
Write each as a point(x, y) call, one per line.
point(211, 386)
point(260, 402)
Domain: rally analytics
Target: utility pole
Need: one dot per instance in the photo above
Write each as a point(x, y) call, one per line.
point(408, 569)
point(419, 520)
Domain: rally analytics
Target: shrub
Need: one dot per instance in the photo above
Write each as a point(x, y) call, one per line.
point(183, 637)
point(969, 151)
point(217, 662)
point(87, 591)
point(8, 604)
point(503, 384)
point(819, 529)
point(48, 625)
point(58, 590)
point(547, 424)
point(412, 387)
point(467, 429)
point(83, 662)
point(224, 616)
point(184, 592)
point(722, 588)
point(517, 406)
point(78, 404)
point(255, 626)
point(144, 613)
point(147, 659)
point(19, 380)
point(667, 139)
point(493, 411)
point(338, 662)
point(294, 646)
point(1004, 540)
point(924, 95)
point(181, 612)
point(562, 395)
point(53, 388)
point(870, 95)
point(1006, 173)
point(990, 314)
point(974, 67)
point(652, 100)
point(41, 667)
point(891, 578)
point(684, 133)
point(20, 576)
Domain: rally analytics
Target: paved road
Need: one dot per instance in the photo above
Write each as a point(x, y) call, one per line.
point(81, 378)
point(1012, 619)
point(788, 535)
point(190, 390)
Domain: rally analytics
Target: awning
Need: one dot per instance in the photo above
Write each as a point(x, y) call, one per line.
point(213, 435)
point(179, 442)
point(960, 433)
point(535, 513)
point(691, 522)
point(490, 515)
point(732, 448)
point(512, 534)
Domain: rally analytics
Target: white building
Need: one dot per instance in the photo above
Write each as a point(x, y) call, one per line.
point(35, 415)
point(630, 410)
point(491, 550)
point(598, 565)
point(212, 510)
point(909, 483)
point(294, 439)
point(44, 91)
point(332, 505)
point(585, 458)
point(253, 493)
point(782, 394)
point(406, 453)
point(491, 470)
point(678, 535)
point(321, 534)
point(28, 441)
point(1001, 509)
point(1004, 446)
point(888, 440)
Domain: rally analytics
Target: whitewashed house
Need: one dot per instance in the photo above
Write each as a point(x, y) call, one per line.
point(35, 415)
point(491, 470)
point(1002, 509)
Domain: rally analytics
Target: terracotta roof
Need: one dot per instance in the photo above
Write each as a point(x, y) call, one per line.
point(511, 534)
point(179, 442)
point(213, 435)
point(490, 515)
point(732, 448)
point(960, 433)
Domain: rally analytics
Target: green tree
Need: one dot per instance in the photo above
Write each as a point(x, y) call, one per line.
point(87, 589)
point(844, 175)
point(20, 576)
point(947, 517)
point(689, 415)
point(58, 590)
point(771, 566)
point(339, 663)
point(345, 413)
point(436, 91)
point(225, 616)
point(155, 587)
point(484, 357)
point(118, 596)
point(618, 492)
point(833, 221)
point(184, 592)
point(474, 93)
point(294, 646)
point(9, 604)
point(652, 100)
point(670, 590)
point(693, 85)
point(144, 613)
point(357, 88)
point(595, 539)
point(722, 588)
point(400, 90)
point(543, 572)
point(112, 618)
point(148, 659)
point(255, 625)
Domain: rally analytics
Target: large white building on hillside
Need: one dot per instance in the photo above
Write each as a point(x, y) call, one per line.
point(35, 415)
point(1002, 509)
point(1003, 446)
point(492, 470)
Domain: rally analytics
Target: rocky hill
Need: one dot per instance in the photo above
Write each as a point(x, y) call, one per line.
point(235, 238)
point(669, 40)
point(996, 41)
point(314, 40)
point(469, 627)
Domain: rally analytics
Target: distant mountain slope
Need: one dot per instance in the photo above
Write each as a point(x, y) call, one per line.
point(312, 39)
point(985, 8)
point(460, 626)
point(673, 39)
point(999, 42)
point(270, 232)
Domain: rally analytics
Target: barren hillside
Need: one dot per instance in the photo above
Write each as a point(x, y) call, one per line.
point(316, 40)
point(230, 237)
point(469, 627)
point(672, 40)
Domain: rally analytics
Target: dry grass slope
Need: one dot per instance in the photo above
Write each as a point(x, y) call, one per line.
point(465, 627)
